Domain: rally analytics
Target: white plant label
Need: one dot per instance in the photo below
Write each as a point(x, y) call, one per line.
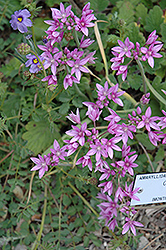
point(152, 188)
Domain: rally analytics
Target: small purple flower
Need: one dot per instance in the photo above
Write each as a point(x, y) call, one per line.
point(130, 224)
point(113, 117)
point(86, 161)
point(103, 92)
point(154, 137)
point(114, 95)
point(83, 23)
point(62, 13)
point(34, 63)
point(97, 149)
point(124, 48)
point(137, 53)
point(144, 99)
point(162, 122)
point(106, 171)
point(148, 121)
point(79, 134)
point(71, 147)
point(19, 20)
point(127, 209)
point(130, 192)
point(152, 52)
point(152, 38)
point(41, 164)
point(122, 70)
point(48, 48)
point(110, 145)
point(52, 61)
point(93, 113)
point(110, 206)
point(52, 80)
point(74, 118)
point(78, 67)
point(125, 131)
point(128, 164)
point(58, 153)
point(85, 43)
point(112, 224)
point(68, 81)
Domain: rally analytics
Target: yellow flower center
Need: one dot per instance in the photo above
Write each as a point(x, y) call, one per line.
point(20, 19)
point(35, 60)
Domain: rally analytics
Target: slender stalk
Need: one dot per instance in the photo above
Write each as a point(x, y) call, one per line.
point(83, 199)
point(76, 38)
point(36, 243)
point(142, 74)
point(147, 156)
point(33, 37)
point(79, 92)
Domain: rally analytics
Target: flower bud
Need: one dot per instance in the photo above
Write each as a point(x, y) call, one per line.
point(23, 48)
point(93, 181)
point(26, 73)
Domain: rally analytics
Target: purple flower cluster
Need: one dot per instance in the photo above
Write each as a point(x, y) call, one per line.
point(99, 154)
point(130, 51)
point(73, 62)
point(51, 159)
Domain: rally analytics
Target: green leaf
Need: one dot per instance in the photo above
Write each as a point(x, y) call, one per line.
point(112, 40)
point(154, 19)
point(78, 222)
point(66, 200)
point(81, 232)
point(64, 97)
point(64, 108)
point(135, 81)
point(141, 13)
point(160, 153)
point(77, 102)
point(162, 4)
point(163, 32)
point(39, 28)
point(126, 12)
point(86, 241)
point(39, 136)
point(71, 211)
point(99, 5)
point(155, 93)
point(51, 3)
point(135, 35)
point(25, 113)
point(144, 139)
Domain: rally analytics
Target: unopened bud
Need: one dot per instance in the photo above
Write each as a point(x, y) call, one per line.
point(68, 36)
point(23, 48)
point(26, 73)
point(93, 181)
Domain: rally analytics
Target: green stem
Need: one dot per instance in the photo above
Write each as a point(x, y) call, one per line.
point(142, 74)
point(79, 92)
point(33, 37)
point(36, 243)
point(76, 38)
point(72, 176)
point(83, 199)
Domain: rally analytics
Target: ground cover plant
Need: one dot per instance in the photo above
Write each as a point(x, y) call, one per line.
point(82, 99)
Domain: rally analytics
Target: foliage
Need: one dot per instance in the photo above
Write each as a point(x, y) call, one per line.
point(60, 210)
